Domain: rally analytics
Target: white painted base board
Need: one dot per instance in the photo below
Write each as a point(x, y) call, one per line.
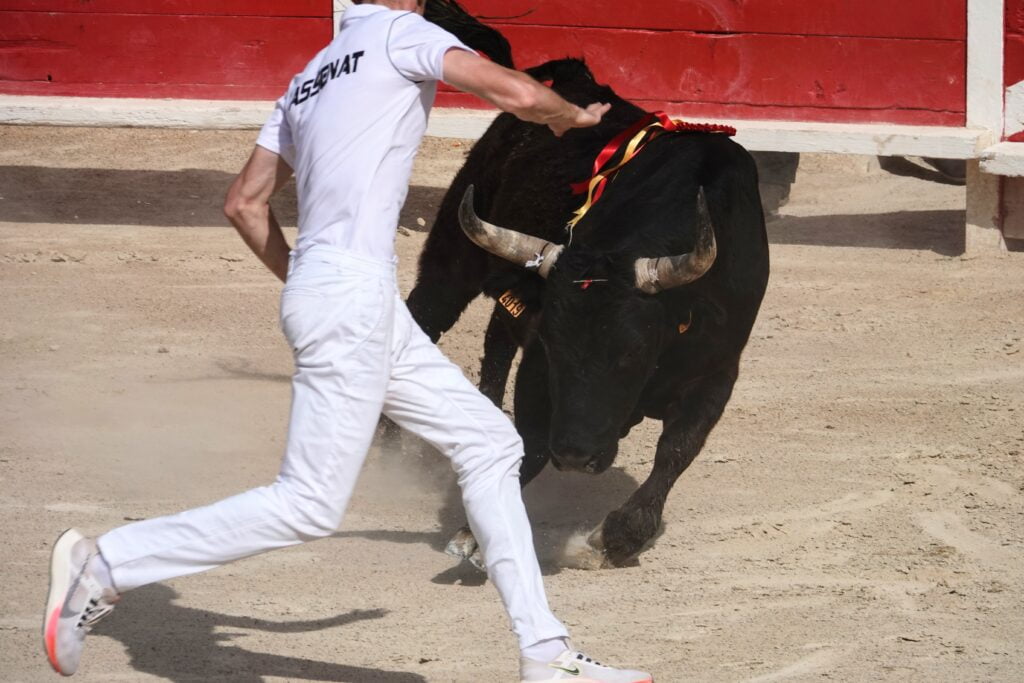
point(785, 136)
point(1006, 158)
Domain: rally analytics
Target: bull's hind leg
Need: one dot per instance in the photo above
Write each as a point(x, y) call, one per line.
point(629, 530)
point(451, 273)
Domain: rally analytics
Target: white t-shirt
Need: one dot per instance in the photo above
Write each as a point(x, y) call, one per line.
point(350, 125)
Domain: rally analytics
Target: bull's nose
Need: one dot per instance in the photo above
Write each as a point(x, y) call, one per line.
point(568, 457)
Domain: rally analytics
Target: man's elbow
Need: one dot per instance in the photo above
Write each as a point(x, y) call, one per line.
point(237, 207)
point(231, 208)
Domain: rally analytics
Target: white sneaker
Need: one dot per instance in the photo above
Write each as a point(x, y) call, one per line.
point(576, 666)
point(76, 601)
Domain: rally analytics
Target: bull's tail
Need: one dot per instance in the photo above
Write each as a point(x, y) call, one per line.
point(451, 17)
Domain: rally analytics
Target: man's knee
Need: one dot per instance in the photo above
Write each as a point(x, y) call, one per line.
point(493, 453)
point(310, 516)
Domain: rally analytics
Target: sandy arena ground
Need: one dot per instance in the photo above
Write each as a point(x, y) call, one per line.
point(858, 514)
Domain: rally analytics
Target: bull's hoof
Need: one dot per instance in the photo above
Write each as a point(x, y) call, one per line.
point(585, 552)
point(629, 532)
point(464, 547)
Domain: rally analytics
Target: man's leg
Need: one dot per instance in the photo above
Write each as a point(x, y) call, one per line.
point(341, 339)
point(429, 396)
point(341, 346)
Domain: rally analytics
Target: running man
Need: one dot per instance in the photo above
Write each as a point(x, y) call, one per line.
point(349, 127)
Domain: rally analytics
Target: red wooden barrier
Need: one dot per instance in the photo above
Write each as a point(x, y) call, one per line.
point(850, 18)
point(760, 76)
point(207, 49)
point(823, 60)
point(817, 60)
point(235, 8)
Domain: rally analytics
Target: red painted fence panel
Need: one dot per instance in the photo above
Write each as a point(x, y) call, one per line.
point(811, 77)
point(946, 19)
point(257, 8)
point(830, 60)
point(824, 60)
point(185, 55)
point(1013, 67)
point(1014, 57)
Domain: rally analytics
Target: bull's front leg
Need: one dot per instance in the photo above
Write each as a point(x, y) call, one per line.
point(499, 352)
point(628, 531)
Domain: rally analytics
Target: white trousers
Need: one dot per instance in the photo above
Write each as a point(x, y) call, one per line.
point(358, 353)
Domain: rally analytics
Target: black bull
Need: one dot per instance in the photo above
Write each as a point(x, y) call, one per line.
point(600, 353)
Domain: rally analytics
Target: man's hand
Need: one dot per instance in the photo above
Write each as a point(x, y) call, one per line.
point(247, 206)
point(591, 116)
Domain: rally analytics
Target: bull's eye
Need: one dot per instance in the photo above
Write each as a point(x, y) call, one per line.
point(626, 359)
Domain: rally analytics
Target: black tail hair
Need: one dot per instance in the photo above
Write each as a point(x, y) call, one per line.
point(452, 18)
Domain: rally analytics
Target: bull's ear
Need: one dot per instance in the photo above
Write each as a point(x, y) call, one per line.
point(452, 18)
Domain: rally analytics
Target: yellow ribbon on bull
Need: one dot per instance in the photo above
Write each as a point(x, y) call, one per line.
point(636, 143)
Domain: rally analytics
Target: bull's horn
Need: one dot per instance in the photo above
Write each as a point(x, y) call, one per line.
point(524, 250)
point(655, 275)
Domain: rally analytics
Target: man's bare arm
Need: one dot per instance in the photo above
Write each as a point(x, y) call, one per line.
point(247, 206)
point(517, 93)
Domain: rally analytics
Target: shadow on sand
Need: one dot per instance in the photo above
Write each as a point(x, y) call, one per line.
point(941, 232)
point(187, 644)
point(194, 197)
point(186, 198)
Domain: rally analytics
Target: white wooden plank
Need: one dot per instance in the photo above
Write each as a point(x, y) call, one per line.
point(873, 139)
point(1005, 158)
point(139, 113)
point(878, 139)
point(985, 65)
point(1014, 116)
point(985, 91)
point(789, 136)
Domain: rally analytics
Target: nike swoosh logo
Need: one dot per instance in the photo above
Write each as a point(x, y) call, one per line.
point(575, 671)
point(65, 611)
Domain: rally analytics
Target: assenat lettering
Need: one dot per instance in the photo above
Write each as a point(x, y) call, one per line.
point(327, 73)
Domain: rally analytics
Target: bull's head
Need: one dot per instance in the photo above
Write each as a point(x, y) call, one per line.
point(602, 344)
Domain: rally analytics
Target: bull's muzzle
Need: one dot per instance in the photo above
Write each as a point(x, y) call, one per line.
point(571, 458)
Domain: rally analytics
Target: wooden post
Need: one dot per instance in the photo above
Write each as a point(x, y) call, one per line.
point(985, 111)
point(984, 211)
